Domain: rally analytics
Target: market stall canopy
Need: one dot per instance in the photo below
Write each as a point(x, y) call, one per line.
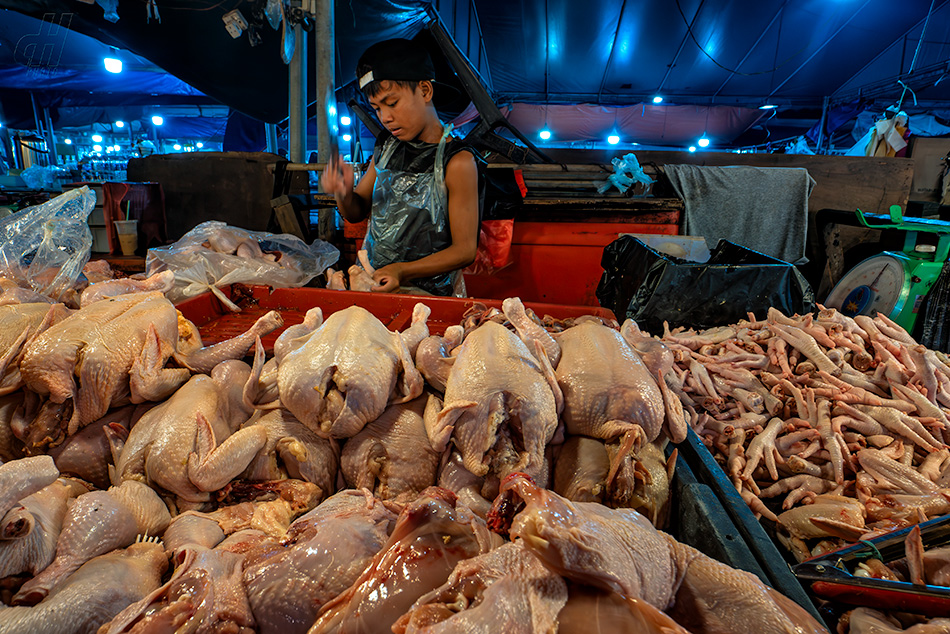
point(742, 53)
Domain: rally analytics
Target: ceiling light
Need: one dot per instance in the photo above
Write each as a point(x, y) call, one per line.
point(116, 147)
point(199, 144)
point(120, 124)
point(544, 134)
point(768, 106)
point(97, 138)
point(112, 64)
point(68, 141)
point(658, 99)
point(96, 148)
point(703, 142)
point(157, 119)
point(345, 120)
point(692, 148)
point(613, 139)
point(177, 147)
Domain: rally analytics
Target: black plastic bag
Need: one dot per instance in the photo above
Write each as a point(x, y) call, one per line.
point(651, 287)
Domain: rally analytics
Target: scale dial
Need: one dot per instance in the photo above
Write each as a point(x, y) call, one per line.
point(877, 285)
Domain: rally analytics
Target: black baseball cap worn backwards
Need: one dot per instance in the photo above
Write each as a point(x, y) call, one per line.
point(395, 60)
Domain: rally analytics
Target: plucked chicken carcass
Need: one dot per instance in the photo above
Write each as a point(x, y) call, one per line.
point(304, 454)
point(433, 533)
point(206, 591)
point(641, 482)
point(392, 455)
point(608, 391)
point(501, 404)
point(506, 590)
point(192, 444)
point(20, 324)
point(345, 373)
point(97, 523)
point(289, 581)
point(618, 550)
point(35, 551)
point(161, 282)
point(117, 348)
point(92, 595)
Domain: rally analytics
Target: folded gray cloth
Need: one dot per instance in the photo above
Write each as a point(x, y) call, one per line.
point(762, 208)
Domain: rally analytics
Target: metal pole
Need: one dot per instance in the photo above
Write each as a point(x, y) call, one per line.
point(297, 128)
point(50, 138)
point(270, 130)
point(326, 76)
point(39, 127)
point(822, 124)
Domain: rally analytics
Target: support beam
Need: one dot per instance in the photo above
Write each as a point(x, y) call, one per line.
point(297, 128)
point(270, 130)
point(327, 127)
point(50, 138)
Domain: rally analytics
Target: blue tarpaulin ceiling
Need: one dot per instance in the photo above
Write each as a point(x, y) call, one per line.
point(719, 53)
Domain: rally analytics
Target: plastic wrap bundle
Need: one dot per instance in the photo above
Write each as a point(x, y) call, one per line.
point(45, 247)
point(214, 255)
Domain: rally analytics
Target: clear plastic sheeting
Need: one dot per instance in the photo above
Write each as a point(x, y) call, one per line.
point(214, 255)
point(44, 247)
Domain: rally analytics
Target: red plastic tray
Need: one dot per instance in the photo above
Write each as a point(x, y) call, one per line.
point(216, 323)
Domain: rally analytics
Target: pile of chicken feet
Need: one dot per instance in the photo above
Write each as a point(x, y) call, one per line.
point(834, 428)
point(359, 480)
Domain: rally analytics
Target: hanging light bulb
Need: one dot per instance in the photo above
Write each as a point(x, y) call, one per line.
point(703, 142)
point(544, 134)
point(112, 64)
point(658, 99)
point(613, 139)
point(120, 124)
point(692, 148)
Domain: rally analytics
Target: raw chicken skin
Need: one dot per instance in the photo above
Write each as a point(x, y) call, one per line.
point(36, 550)
point(161, 282)
point(498, 392)
point(431, 536)
point(19, 324)
point(207, 589)
point(92, 595)
point(346, 373)
point(392, 455)
point(325, 551)
point(594, 611)
point(506, 590)
point(304, 454)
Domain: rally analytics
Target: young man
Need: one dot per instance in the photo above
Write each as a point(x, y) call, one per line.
point(420, 190)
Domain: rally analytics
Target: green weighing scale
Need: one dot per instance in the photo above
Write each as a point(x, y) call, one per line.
point(894, 283)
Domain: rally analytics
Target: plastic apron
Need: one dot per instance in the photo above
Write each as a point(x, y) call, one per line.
point(410, 218)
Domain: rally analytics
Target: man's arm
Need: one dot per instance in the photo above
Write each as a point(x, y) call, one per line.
point(354, 203)
point(461, 182)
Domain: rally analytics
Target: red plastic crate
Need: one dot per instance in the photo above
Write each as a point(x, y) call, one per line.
point(216, 323)
point(558, 262)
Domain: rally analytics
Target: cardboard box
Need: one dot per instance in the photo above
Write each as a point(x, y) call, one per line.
point(927, 154)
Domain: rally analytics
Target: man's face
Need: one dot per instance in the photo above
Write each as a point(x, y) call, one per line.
point(401, 109)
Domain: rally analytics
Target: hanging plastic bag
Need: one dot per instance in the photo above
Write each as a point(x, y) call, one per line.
point(45, 247)
point(627, 172)
point(494, 247)
point(214, 255)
